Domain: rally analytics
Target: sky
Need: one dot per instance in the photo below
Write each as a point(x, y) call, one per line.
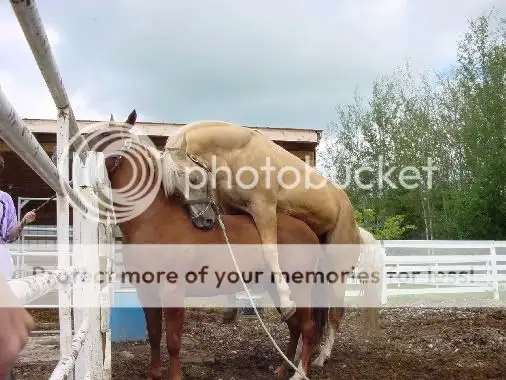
point(284, 63)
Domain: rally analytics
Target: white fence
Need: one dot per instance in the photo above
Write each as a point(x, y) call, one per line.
point(445, 267)
point(82, 352)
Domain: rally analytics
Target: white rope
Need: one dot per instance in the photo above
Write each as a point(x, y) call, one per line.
point(253, 304)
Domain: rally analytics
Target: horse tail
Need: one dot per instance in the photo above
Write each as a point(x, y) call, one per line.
point(359, 253)
point(372, 263)
point(321, 298)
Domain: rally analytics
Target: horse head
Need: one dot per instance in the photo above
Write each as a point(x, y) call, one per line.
point(119, 143)
point(193, 184)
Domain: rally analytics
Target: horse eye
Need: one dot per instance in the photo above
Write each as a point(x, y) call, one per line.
point(196, 178)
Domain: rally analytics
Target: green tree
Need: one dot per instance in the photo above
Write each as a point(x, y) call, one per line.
point(457, 119)
point(383, 227)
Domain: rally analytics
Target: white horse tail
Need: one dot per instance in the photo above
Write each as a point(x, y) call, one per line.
point(371, 261)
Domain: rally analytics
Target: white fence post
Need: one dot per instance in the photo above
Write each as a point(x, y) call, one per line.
point(494, 272)
point(106, 253)
point(86, 256)
point(63, 227)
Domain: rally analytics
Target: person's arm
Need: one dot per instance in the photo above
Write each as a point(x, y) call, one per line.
point(15, 327)
point(14, 232)
point(13, 228)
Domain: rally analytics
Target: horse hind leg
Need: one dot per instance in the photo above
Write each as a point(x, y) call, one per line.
point(307, 344)
point(266, 223)
point(336, 315)
point(294, 329)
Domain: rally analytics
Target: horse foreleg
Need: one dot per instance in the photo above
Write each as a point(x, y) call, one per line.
point(266, 222)
point(154, 326)
point(174, 320)
point(153, 316)
point(308, 343)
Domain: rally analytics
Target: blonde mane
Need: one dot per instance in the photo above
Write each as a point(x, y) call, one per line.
point(170, 174)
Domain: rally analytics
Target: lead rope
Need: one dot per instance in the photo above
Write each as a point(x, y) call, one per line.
point(253, 304)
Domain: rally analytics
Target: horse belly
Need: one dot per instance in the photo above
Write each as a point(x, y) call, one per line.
point(216, 272)
point(314, 207)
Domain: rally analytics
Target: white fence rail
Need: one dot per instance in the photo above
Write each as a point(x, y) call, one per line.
point(33, 287)
point(444, 267)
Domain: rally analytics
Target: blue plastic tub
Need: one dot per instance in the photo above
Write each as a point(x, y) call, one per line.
point(127, 318)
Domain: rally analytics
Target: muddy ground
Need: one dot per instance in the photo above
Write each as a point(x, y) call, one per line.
point(435, 343)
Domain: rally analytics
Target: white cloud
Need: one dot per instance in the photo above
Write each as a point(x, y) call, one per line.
point(22, 82)
point(33, 100)
point(283, 64)
point(11, 34)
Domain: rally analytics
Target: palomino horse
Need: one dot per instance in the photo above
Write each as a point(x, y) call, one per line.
point(250, 176)
point(166, 221)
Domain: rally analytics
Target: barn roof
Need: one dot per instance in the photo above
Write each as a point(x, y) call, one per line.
point(168, 129)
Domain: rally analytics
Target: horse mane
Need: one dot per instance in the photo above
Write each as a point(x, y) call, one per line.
point(169, 174)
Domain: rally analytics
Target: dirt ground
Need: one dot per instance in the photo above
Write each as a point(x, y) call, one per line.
point(435, 343)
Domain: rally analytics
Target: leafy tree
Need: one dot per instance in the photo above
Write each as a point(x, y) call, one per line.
point(383, 227)
point(457, 119)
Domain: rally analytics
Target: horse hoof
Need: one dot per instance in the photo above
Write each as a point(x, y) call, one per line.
point(318, 362)
point(288, 313)
point(229, 317)
point(280, 373)
point(296, 376)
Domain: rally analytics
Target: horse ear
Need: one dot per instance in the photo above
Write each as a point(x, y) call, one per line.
point(132, 118)
point(112, 118)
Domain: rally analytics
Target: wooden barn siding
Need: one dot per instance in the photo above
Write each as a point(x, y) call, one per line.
point(19, 180)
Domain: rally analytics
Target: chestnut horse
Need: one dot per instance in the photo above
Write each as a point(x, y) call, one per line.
point(166, 221)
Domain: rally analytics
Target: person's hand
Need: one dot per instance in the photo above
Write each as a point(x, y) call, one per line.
point(29, 217)
point(15, 327)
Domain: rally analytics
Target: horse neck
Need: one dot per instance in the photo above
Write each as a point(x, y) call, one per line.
point(157, 212)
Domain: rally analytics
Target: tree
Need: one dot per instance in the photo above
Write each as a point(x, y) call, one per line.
point(383, 228)
point(457, 119)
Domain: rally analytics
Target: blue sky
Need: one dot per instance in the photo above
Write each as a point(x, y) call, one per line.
point(281, 64)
